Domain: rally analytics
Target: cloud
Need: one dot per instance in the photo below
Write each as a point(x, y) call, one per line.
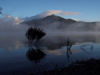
point(50, 12)
point(69, 13)
point(75, 19)
point(0, 10)
point(11, 20)
point(9, 23)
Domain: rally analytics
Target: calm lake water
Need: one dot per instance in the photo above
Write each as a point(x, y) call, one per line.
point(17, 58)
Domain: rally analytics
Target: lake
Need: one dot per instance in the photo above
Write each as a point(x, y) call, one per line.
point(16, 57)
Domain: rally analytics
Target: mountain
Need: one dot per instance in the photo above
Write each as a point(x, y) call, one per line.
point(56, 22)
point(50, 19)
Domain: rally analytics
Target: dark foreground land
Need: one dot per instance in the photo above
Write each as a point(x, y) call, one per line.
point(83, 67)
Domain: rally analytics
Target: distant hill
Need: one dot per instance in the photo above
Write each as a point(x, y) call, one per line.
point(59, 23)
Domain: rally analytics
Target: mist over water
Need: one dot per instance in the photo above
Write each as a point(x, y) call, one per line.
point(51, 41)
point(12, 34)
point(14, 46)
point(14, 24)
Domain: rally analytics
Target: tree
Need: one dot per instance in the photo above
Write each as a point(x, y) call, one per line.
point(34, 34)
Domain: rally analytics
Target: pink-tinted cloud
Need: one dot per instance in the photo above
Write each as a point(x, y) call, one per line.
point(9, 24)
point(50, 12)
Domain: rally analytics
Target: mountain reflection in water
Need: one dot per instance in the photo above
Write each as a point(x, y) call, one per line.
point(50, 41)
point(52, 50)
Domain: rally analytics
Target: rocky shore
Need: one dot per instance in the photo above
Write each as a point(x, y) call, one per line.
point(83, 67)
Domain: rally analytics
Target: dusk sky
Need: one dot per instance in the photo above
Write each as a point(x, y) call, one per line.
point(84, 10)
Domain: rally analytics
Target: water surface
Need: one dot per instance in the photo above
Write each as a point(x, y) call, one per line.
point(17, 58)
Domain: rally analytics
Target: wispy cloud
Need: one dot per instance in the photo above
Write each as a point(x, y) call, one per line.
point(50, 12)
point(68, 13)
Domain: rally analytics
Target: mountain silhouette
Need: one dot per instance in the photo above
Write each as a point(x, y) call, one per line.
point(59, 23)
point(51, 20)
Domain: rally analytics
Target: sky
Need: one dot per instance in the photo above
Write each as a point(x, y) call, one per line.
point(83, 10)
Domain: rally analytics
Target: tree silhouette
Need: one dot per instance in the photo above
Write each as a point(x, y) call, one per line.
point(69, 45)
point(35, 55)
point(0, 10)
point(34, 34)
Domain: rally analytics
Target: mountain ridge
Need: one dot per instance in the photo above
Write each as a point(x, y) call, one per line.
point(49, 19)
point(56, 22)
